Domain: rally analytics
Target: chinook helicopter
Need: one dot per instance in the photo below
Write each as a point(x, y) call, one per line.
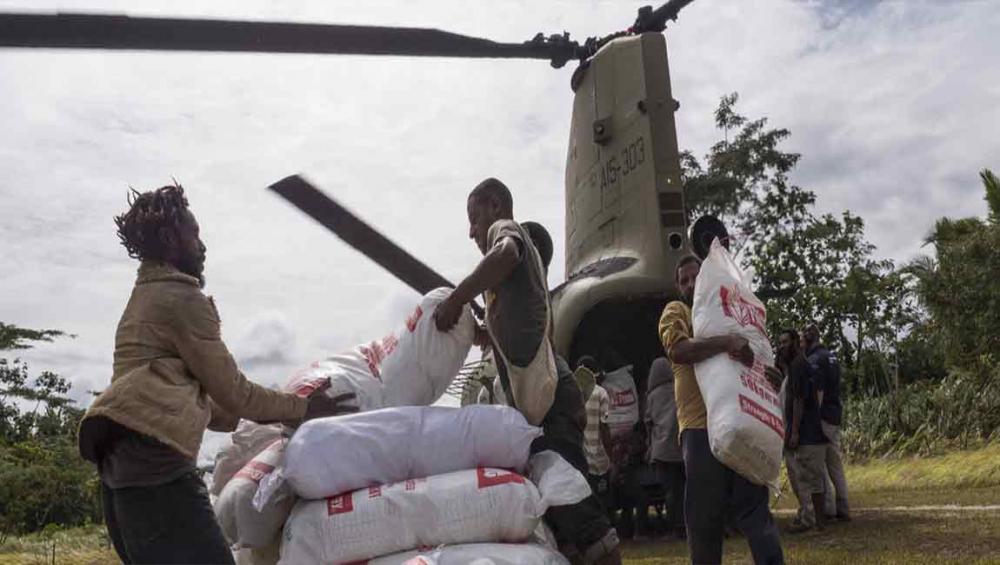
point(626, 223)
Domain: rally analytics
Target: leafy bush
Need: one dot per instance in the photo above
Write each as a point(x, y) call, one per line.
point(960, 411)
point(46, 482)
point(43, 479)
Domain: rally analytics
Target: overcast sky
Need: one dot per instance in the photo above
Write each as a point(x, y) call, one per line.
point(894, 106)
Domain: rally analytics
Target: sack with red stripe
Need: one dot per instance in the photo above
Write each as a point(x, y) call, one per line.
point(475, 505)
point(249, 439)
point(412, 366)
point(328, 456)
point(242, 524)
point(745, 421)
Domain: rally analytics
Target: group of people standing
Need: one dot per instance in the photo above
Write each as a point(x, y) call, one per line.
point(704, 498)
point(813, 413)
point(635, 464)
point(173, 377)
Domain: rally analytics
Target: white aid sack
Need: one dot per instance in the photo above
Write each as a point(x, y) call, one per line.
point(348, 373)
point(476, 554)
point(558, 482)
point(475, 505)
point(248, 440)
point(329, 456)
point(425, 360)
point(623, 409)
point(241, 523)
point(745, 426)
point(412, 366)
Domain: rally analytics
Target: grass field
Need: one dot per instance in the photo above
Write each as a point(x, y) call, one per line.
point(891, 524)
point(870, 538)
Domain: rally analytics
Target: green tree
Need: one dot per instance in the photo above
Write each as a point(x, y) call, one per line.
point(43, 480)
point(991, 184)
point(13, 337)
point(807, 268)
point(960, 287)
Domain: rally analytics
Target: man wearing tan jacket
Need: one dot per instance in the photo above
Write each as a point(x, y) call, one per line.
point(173, 377)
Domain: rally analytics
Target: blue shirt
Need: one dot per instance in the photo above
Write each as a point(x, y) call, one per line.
point(826, 377)
point(801, 387)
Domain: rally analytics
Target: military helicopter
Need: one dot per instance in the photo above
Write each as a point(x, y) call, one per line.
point(626, 223)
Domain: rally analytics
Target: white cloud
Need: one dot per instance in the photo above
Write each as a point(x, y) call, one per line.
point(893, 105)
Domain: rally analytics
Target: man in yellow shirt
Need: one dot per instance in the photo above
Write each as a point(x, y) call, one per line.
point(712, 489)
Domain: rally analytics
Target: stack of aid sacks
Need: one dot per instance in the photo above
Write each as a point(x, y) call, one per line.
point(396, 484)
point(400, 476)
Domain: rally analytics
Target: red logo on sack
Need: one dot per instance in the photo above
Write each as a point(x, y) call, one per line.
point(492, 477)
point(303, 383)
point(621, 398)
point(340, 504)
point(411, 322)
point(254, 471)
point(761, 414)
point(742, 310)
point(376, 352)
point(374, 492)
point(305, 389)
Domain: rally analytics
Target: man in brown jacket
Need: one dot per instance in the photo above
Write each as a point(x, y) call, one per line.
point(173, 377)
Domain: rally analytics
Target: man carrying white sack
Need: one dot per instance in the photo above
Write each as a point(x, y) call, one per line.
point(712, 489)
point(518, 322)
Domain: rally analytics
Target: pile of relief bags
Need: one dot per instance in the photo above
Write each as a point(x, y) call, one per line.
point(400, 482)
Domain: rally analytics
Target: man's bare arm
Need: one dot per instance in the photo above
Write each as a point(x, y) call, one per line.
point(604, 432)
point(495, 267)
point(690, 351)
point(798, 407)
point(823, 378)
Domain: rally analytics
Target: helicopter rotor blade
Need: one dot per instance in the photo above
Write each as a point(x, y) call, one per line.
point(95, 31)
point(656, 20)
point(361, 236)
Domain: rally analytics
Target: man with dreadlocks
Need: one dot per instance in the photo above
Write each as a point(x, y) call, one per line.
point(172, 378)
